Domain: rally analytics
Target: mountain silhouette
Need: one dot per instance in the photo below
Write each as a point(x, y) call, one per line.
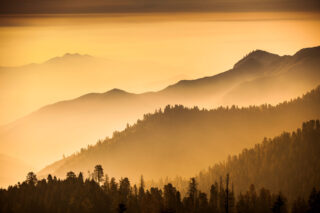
point(258, 72)
point(182, 141)
point(256, 59)
point(72, 75)
point(69, 57)
point(61, 128)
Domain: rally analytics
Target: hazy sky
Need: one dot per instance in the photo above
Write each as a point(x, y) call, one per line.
point(146, 51)
point(206, 42)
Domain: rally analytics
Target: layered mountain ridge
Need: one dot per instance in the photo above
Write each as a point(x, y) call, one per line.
point(63, 127)
point(180, 141)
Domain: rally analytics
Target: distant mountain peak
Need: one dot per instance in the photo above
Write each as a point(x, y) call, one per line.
point(68, 57)
point(116, 91)
point(110, 93)
point(255, 58)
point(258, 53)
point(308, 52)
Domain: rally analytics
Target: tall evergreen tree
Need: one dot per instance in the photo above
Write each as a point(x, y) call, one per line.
point(98, 173)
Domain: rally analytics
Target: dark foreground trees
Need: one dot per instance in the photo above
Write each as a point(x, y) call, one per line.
point(290, 158)
point(76, 195)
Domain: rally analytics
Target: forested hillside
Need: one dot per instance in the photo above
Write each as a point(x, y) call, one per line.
point(289, 163)
point(76, 194)
point(182, 141)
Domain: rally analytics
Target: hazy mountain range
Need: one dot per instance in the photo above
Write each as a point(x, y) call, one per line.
point(29, 87)
point(181, 141)
point(64, 127)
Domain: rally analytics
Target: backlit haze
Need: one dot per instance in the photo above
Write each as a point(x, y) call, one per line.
point(144, 52)
point(47, 58)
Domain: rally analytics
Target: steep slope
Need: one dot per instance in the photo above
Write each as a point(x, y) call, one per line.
point(181, 141)
point(64, 127)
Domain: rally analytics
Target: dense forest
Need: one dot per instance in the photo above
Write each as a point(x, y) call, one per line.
point(284, 169)
point(99, 194)
point(182, 141)
point(283, 163)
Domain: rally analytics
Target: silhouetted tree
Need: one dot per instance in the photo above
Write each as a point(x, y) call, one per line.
point(227, 194)
point(213, 202)
point(106, 184)
point(49, 178)
point(71, 175)
point(80, 177)
point(124, 190)
point(141, 188)
point(192, 199)
point(98, 173)
point(31, 178)
point(279, 205)
point(170, 198)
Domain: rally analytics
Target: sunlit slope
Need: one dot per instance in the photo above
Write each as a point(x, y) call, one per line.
point(62, 128)
point(182, 141)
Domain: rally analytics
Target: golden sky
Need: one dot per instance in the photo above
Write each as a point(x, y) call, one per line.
point(198, 39)
point(159, 48)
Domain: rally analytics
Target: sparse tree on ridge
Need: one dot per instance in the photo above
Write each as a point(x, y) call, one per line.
point(71, 175)
point(98, 173)
point(31, 178)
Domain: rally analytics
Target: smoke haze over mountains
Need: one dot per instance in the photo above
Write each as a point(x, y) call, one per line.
point(148, 106)
point(66, 126)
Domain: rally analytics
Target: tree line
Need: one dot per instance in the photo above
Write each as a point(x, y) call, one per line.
point(101, 194)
